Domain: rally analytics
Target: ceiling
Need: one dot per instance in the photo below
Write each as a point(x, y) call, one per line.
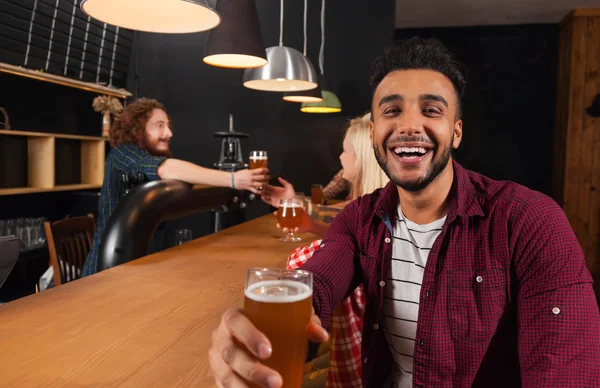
point(452, 13)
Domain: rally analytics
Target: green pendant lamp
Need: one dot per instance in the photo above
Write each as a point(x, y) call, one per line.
point(331, 103)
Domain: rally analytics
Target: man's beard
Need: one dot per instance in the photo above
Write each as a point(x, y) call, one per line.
point(152, 149)
point(435, 169)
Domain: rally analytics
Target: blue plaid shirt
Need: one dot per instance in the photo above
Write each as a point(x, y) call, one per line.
point(123, 159)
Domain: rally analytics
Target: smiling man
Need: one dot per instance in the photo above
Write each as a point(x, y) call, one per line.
point(470, 282)
point(141, 138)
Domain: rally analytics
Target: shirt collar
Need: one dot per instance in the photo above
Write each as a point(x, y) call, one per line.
point(464, 202)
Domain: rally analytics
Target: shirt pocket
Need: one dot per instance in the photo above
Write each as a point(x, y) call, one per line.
point(476, 302)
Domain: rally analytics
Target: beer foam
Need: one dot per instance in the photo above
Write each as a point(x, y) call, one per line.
point(278, 291)
point(290, 205)
point(258, 158)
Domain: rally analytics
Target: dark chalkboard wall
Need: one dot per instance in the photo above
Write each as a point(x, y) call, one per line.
point(509, 104)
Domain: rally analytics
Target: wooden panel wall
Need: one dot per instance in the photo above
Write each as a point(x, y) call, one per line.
point(576, 183)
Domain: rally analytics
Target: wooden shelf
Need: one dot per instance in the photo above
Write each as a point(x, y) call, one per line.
point(11, 132)
point(33, 190)
point(54, 162)
point(57, 79)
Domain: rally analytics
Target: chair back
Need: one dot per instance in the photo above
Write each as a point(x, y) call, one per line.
point(69, 242)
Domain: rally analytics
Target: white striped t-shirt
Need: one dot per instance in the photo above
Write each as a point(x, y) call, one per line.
point(412, 243)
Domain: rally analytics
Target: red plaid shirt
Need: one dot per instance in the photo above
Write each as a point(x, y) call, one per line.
point(506, 298)
point(346, 330)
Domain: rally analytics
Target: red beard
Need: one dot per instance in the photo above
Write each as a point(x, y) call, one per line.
point(152, 148)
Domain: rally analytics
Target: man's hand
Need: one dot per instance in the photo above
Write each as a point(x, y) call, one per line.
point(251, 180)
point(272, 195)
point(237, 347)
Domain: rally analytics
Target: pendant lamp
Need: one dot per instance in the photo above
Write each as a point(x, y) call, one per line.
point(331, 103)
point(164, 16)
point(237, 42)
point(287, 69)
point(312, 95)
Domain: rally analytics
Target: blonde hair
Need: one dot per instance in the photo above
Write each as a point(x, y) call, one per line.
point(369, 176)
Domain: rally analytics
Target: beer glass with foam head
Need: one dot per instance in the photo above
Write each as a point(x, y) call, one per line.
point(289, 215)
point(258, 159)
point(279, 303)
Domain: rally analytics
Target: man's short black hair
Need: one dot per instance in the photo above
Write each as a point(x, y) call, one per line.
point(419, 53)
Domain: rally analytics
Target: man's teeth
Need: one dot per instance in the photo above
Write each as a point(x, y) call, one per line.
point(410, 150)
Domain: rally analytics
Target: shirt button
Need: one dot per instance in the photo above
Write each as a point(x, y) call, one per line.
point(422, 342)
point(375, 326)
point(382, 283)
point(366, 359)
point(478, 279)
point(555, 311)
point(322, 245)
point(387, 240)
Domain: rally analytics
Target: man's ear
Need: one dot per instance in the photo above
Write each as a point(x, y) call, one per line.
point(457, 134)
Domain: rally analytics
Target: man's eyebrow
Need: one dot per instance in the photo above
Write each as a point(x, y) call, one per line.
point(433, 97)
point(391, 97)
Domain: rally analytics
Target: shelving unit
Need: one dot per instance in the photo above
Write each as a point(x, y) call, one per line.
point(42, 166)
point(64, 81)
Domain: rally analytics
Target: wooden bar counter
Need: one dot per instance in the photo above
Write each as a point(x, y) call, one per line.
point(147, 323)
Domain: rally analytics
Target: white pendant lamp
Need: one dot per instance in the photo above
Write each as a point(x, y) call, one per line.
point(330, 103)
point(164, 16)
point(287, 69)
point(312, 95)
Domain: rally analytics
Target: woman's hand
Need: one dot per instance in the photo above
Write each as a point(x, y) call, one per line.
point(272, 195)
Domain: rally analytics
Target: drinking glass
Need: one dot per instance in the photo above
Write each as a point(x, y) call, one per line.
point(289, 215)
point(279, 304)
point(182, 236)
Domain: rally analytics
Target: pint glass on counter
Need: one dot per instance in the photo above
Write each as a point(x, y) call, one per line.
point(279, 303)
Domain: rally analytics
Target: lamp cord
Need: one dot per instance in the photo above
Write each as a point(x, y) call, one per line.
point(281, 24)
point(305, 10)
point(322, 50)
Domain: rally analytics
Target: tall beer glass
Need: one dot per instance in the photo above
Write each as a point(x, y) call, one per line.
point(289, 215)
point(279, 303)
point(258, 159)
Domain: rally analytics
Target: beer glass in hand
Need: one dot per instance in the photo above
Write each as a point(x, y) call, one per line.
point(289, 216)
point(258, 159)
point(279, 303)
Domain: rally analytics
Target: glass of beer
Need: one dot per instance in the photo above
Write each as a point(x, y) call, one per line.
point(316, 194)
point(289, 215)
point(258, 159)
point(279, 303)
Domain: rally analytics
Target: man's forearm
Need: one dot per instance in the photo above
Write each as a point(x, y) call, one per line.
point(192, 173)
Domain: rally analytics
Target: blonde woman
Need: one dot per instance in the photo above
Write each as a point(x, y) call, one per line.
point(359, 167)
point(362, 170)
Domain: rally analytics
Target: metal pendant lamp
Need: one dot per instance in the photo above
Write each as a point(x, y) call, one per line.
point(312, 95)
point(287, 69)
point(237, 42)
point(164, 16)
point(331, 103)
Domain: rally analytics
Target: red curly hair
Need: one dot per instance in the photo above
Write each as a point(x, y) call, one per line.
point(130, 125)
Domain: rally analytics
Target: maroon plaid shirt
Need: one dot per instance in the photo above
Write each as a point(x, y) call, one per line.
point(506, 299)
